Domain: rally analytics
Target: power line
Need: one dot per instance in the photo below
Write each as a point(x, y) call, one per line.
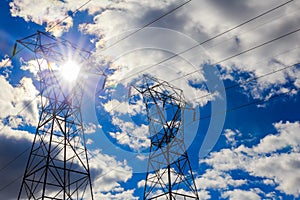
point(238, 54)
point(14, 159)
point(247, 21)
point(10, 183)
point(209, 116)
point(205, 117)
point(29, 103)
point(250, 103)
point(198, 44)
point(242, 32)
point(127, 36)
point(72, 13)
point(251, 79)
point(19, 155)
point(226, 89)
point(209, 39)
point(243, 52)
point(147, 24)
point(11, 57)
point(24, 107)
point(205, 40)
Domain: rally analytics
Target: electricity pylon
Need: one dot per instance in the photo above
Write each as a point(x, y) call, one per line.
point(169, 173)
point(58, 166)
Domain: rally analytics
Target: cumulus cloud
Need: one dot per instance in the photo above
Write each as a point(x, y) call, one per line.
point(202, 20)
point(5, 62)
point(197, 20)
point(217, 180)
point(131, 134)
point(116, 107)
point(241, 194)
point(89, 128)
point(49, 12)
point(275, 159)
point(107, 173)
point(255, 63)
point(231, 136)
point(123, 195)
point(22, 97)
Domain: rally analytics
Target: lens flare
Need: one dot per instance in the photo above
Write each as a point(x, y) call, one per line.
point(70, 71)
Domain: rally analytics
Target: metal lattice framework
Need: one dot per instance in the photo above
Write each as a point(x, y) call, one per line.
point(169, 173)
point(58, 166)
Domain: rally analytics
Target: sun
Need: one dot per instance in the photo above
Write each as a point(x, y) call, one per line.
point(70, 71)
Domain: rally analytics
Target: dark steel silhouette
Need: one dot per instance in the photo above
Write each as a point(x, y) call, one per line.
point(58, 166)
point(169, 173)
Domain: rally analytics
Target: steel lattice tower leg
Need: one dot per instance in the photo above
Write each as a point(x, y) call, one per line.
point(58, 166)
point(169, 173)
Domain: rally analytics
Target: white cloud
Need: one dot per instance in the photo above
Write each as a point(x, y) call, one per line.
point(135, 136)
point(203, 194)
point(217, 180)
point(89, 141)
point(282, 168)
point(268, 182)
point(231, 136)
point(116, 107)
point(19, 100)
point(107, 172)
point(264, 160)
point(89, 128)
point(286, 137)
point(141, 183)
point(201, 21)
point(11, 133)
point(238, 194)
point(52, 12)
point(35, 65)
point(40, 12)
point(123, 16)
point(5, 62)
point(123, 195)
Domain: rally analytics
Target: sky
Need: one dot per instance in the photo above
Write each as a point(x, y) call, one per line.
point(236, 62)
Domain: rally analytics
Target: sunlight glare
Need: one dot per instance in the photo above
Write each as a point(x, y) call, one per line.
point(70, 71)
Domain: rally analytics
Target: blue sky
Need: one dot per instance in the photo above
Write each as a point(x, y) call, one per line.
point(238, 149)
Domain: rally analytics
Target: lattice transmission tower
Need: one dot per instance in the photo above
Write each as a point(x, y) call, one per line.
point(58, 166)
point(169, 173)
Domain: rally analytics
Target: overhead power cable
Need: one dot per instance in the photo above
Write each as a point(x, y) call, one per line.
point(209, 116)
point(251, 103)
point(205, 117)
point(218, 35)
point(146, 25)
point(181, 6)
point(10, 183)
point(243, 52)
point(14, 159)
point(15, 52)
point(226, 89)
point(250, 80)
point(209, 39)
point(66, 17)
point(127, 36)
